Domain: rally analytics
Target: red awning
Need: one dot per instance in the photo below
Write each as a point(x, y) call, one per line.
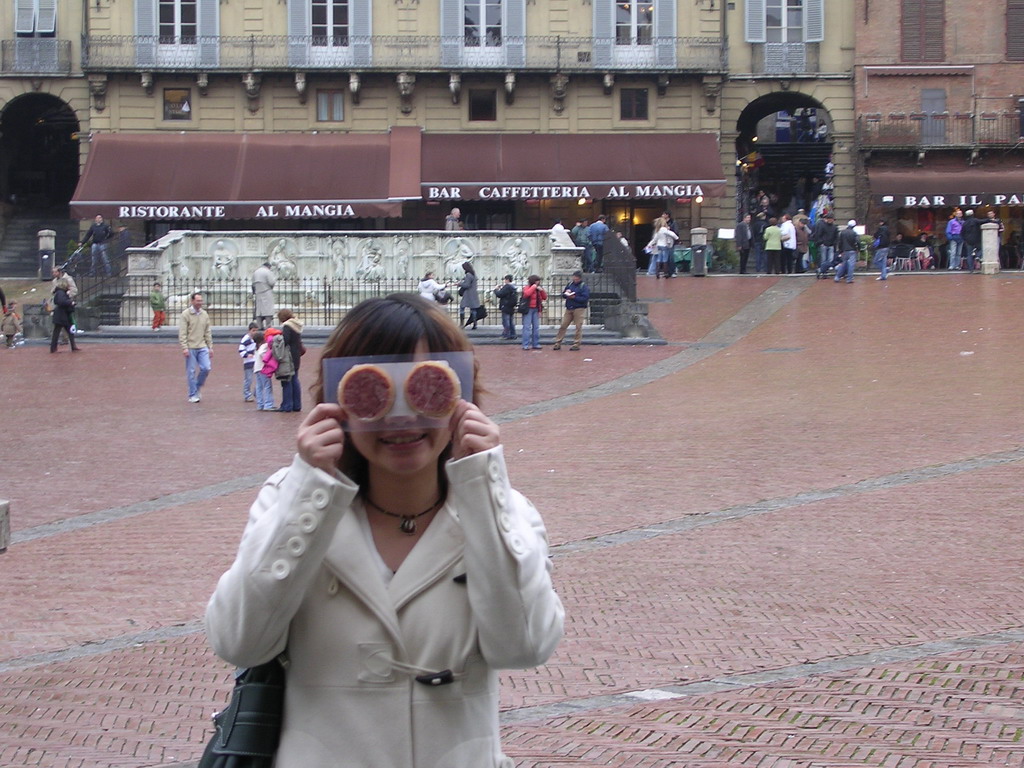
point(608, 166)
point(947, 186)
point(208, 176)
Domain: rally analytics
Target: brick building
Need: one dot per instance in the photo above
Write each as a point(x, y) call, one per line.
point(939, 98)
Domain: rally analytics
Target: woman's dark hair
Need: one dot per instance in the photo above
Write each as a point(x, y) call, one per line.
point(533, 279)
point(428, 275)
point(468, 267)
point(392, 325)
point(284, 314)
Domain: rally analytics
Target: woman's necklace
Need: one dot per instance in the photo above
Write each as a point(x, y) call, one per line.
point(408, 524)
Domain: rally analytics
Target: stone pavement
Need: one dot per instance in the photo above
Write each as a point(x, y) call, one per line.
point(790, 537)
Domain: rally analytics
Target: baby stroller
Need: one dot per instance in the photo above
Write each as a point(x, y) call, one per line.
point(74, 265)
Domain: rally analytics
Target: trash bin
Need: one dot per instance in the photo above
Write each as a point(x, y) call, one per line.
point(45, 265)
point(699, 262)
point(682, 258)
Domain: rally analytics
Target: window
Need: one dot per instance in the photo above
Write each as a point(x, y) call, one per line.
point(633, 104)
point(483, 105)
point(482, 25)
point(922, 30)
point(1015, 30)
point(634, 23)
point(177, 103)
point(35, 18)
point(784, 21)
point(330, 22)
point(177, 22)
point(330, 106)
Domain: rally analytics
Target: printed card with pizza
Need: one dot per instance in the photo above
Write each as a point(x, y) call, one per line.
point(384, 391)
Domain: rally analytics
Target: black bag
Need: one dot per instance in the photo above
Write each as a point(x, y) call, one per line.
point(442, 296)
point(481, 312)
point(524, 305)
point(246, 734)
point(462, 290)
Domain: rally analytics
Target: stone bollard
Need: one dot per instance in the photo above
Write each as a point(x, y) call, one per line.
point(5, 524)
point(46, 253)
point(989, 248)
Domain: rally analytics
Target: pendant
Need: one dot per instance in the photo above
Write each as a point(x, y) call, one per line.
point(408, 526)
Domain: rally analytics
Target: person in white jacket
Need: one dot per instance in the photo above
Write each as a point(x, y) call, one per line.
point(396, 568)
point(662, 244)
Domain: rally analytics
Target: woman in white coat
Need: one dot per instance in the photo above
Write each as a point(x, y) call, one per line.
point(393, 632)
point(664, 241)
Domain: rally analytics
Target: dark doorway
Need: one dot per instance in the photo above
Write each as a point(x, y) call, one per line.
point(38, 152)
point(784, 153)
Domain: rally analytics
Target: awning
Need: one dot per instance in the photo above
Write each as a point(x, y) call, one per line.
point(947, 186)
point(208, 176)
point(603, 166)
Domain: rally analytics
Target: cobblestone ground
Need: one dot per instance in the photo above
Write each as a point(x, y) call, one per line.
point(788, 538)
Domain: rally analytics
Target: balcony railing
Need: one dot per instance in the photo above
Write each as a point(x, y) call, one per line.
point(943, 130)
point(35, 56)
point(552, 53)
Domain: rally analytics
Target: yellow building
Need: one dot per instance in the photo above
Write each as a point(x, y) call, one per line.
point(358, 114)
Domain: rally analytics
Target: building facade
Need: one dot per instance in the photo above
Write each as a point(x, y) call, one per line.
point(377, 114)
point(939, 116)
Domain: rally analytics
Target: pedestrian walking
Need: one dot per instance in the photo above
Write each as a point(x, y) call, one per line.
point(970, 231)
point(195, 335)
point(848, 245)
point(158, 303)
point(63, 305)
point(470, 296)
point(881, 245)
point(824, 236)
point(743, 237)
point(772, 238)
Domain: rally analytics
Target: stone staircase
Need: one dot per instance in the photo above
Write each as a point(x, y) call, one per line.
point(19, 243)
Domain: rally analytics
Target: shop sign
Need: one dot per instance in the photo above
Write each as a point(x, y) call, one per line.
point(207, 211)
point(952, 201)
point(567, 191)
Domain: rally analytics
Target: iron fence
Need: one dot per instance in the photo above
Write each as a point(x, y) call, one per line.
point(919, 130)
point(397, 53)
point(124, 300)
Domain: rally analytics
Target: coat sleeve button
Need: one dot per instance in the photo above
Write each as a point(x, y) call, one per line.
point(280, 569)
point(307, 522)
point(320, 498)
point(296, 546)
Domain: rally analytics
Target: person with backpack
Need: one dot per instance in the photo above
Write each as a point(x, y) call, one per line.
point(507, 295)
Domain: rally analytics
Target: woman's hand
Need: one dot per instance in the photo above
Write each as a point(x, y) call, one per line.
point(472, 432)
point(321, 438)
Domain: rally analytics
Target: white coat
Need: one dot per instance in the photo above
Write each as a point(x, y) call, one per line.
point(473, 596)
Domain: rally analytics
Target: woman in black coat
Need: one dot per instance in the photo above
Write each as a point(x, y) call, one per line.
point(62, 306)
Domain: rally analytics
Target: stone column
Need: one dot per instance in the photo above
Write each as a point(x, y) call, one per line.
point(989, 248)
point(5, 524)
point(698, 237)
point(47, 237)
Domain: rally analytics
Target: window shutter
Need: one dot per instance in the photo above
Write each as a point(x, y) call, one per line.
point(933, 25)
point(665, 33)
point(515, 33)
point(299, 31)
point(451, 32)
point(208, 29)
point(47, 22)
point(757, 27)
point(145, 31)
point(814, 21)
point(604, 32)
point(1015, 30)
point(25, 17)
point(362, 31)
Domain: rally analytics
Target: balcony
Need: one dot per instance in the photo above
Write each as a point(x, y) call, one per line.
point(397, 53)
point(35, 56)
point(942, 130)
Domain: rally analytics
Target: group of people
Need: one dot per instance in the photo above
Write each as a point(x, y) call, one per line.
point(267, 354)
point(529, 304)
point(590, 236)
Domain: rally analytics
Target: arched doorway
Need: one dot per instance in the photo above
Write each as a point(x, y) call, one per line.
point(38, 152)
point(783, 152)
